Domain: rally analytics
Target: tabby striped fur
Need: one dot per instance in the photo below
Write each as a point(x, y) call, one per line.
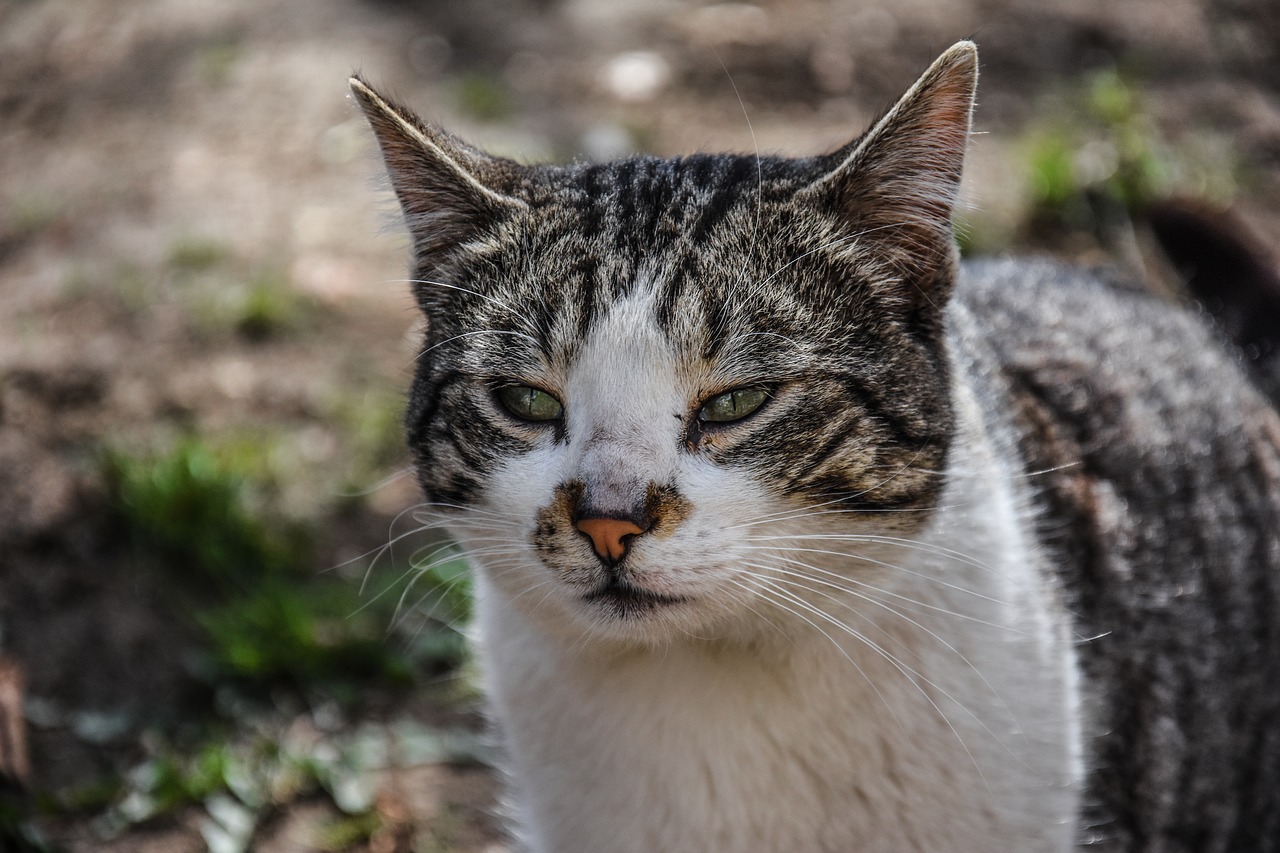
point(879, 612)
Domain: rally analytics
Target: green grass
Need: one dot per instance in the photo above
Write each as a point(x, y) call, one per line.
point(188, 507)
point(202, 518)
point(483, 97)
point(257, 307)
point(1103, 162)
point(31, 213)
point(372, 420)
point(221, 292)
point(241, 777)
point(447, 578)
point(348, 831)
point(218, 58)
point(1111, 146)
point(194, 253)
point(265, 307)
point(249, 775)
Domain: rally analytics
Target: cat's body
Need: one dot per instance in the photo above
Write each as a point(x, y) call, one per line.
point(1160, 509)
point(789, 535)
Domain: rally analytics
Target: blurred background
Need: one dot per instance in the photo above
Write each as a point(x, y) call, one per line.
point(220, 628)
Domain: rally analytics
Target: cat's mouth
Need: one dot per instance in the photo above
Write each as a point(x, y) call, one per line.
point(626, 598)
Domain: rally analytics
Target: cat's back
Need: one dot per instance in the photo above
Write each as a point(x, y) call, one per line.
point(1153, 473)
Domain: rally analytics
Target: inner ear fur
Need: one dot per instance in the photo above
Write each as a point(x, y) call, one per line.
point(895, 187)
point(448, 190)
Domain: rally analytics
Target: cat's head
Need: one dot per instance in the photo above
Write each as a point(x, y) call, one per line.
point(649, 387)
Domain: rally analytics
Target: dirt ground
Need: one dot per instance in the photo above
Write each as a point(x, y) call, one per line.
point(136, 135)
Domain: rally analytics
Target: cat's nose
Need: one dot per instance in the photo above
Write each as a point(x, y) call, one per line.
point(609, 536)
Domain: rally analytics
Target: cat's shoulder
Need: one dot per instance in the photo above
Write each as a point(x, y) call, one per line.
point(1033, 300)
point(1094, 335)
point(1130, 409)
point(1151, 471)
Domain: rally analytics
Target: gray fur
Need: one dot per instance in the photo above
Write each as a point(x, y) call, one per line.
point(1159, 494)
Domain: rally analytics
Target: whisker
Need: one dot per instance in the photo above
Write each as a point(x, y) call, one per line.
point(910, 674)
point(905, 599)
point(755, 226)
point(385, 481)
point(472, 334)
point(880, 539)
point(768, 584)
point(899, 614)
point(432, 283)
point(896, 568)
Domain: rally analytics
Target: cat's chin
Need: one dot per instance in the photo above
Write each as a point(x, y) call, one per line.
point(626, 599)
point(629, 611)
point(632, 615)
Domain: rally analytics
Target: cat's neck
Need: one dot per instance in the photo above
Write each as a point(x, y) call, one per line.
point(710, 734)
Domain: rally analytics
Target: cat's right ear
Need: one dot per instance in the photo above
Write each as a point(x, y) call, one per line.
point(450, 192)
point(895, 187)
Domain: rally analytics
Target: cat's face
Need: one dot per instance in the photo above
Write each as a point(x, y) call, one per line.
point(649, 389)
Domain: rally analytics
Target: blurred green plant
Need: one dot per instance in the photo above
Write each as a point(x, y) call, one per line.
point(1137, 168)
point(444, 572)
point(264, 307)
point(258, 308)
point(245, 576)
point(190, 505)
point(17, 834)
point(193, 253)
point(240, 779)
point(311, 636)
point(234, 782)
point(348, 831)
point(91, 797)
point(1104, 162)
point(220, 293)
point(483, 97)
point(373, 421)
point(218, 58)
point(172, 780)
point(135, 289)
point(29, 214)
point(974, 235)
point(206, 519)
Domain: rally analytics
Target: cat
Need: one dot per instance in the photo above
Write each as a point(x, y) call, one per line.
point(792, 532)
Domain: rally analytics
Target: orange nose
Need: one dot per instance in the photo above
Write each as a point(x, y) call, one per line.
point(607, 535)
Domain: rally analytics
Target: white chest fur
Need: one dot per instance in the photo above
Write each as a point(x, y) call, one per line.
point(944, 718)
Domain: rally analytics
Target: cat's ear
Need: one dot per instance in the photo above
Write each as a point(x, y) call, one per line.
point(896, 186)
point(449, 191)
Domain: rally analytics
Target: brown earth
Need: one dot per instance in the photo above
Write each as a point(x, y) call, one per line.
point(135, 132)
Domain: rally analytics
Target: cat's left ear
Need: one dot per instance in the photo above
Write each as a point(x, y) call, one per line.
point(895, 187)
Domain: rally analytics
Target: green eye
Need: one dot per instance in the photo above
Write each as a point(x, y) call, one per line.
point(733, 405)
point(529, 404)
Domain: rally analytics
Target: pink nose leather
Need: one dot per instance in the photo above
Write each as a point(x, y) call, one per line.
point(607, 533)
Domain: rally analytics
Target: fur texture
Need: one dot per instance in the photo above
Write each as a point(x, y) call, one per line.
point(986, 563)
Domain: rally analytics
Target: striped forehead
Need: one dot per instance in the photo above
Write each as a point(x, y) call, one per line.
point(627, 363)
point(686, 339)
point(691, 246)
